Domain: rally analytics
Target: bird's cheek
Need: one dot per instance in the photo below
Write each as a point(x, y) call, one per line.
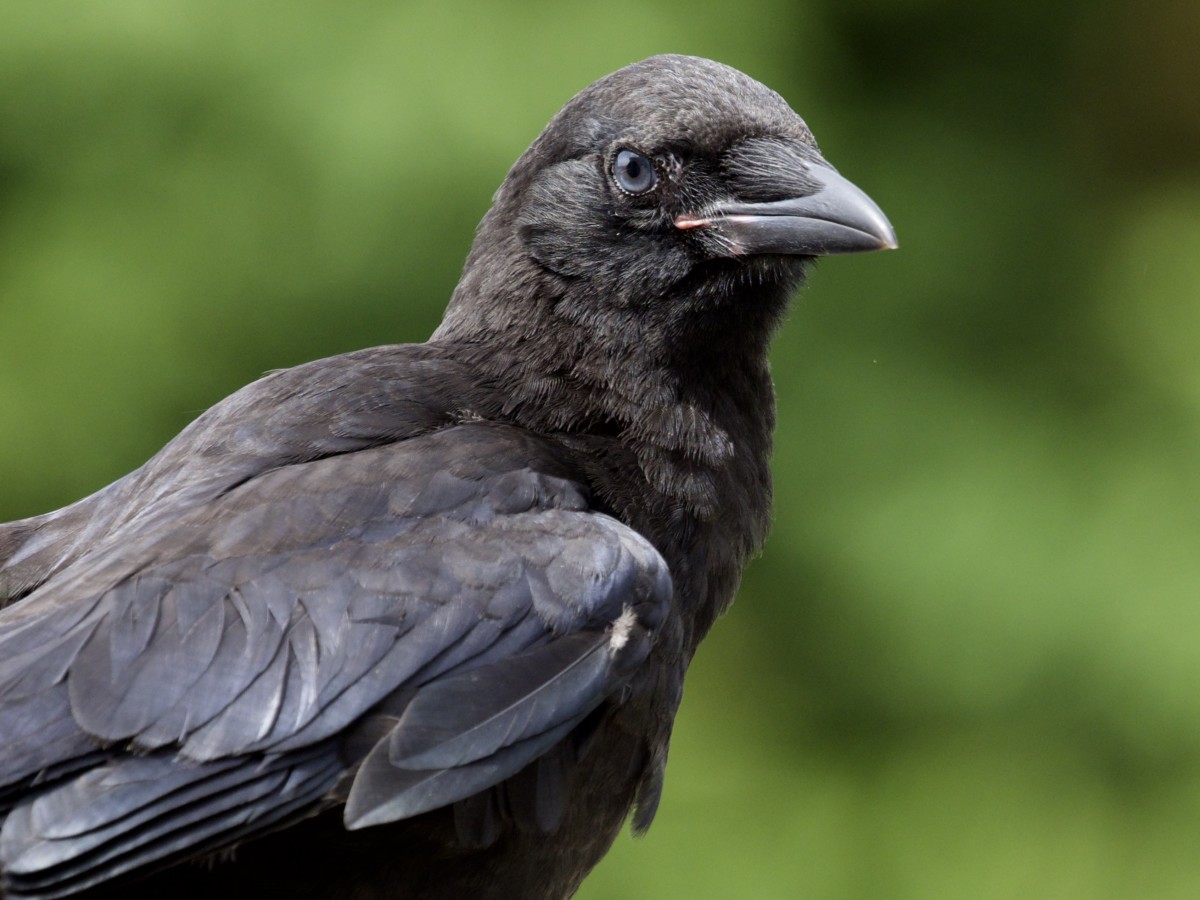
point(563, 218)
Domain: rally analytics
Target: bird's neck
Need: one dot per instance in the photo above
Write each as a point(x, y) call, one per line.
point(684, 408)
point(687, 385)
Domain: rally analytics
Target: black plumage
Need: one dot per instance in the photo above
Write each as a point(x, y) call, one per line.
point(414, 621)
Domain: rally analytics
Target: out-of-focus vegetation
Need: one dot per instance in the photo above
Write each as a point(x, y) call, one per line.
point(968, 664)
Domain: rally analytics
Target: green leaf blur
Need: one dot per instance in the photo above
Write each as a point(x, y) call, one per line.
point(968, 663)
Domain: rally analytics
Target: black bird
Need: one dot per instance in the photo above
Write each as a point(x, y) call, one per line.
point(414, 621)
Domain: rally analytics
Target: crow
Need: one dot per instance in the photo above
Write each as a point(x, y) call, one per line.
point(414, 621)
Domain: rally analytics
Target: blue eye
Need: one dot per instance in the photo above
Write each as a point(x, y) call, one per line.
point(633, 172)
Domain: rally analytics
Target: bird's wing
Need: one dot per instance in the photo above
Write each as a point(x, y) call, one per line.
point(456, 580)
point(32, 550)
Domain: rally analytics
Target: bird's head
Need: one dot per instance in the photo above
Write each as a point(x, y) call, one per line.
point(666, 191)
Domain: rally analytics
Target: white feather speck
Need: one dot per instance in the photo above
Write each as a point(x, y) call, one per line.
point(621, 628)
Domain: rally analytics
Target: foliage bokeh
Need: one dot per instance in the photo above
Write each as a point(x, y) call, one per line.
point(967, 663)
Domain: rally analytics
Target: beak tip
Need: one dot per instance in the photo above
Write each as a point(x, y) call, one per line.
point(868, 218)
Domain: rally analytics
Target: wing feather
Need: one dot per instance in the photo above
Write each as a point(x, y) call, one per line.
point(439, 603)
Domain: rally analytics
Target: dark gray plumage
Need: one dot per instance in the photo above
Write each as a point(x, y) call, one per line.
point(416, 619)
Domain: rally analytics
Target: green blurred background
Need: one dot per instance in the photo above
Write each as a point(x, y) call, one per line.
point(967, 665)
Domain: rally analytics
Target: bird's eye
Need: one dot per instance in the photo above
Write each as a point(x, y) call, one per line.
point(633, 172)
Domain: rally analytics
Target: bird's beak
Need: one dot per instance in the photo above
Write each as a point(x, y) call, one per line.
point(836, 217)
